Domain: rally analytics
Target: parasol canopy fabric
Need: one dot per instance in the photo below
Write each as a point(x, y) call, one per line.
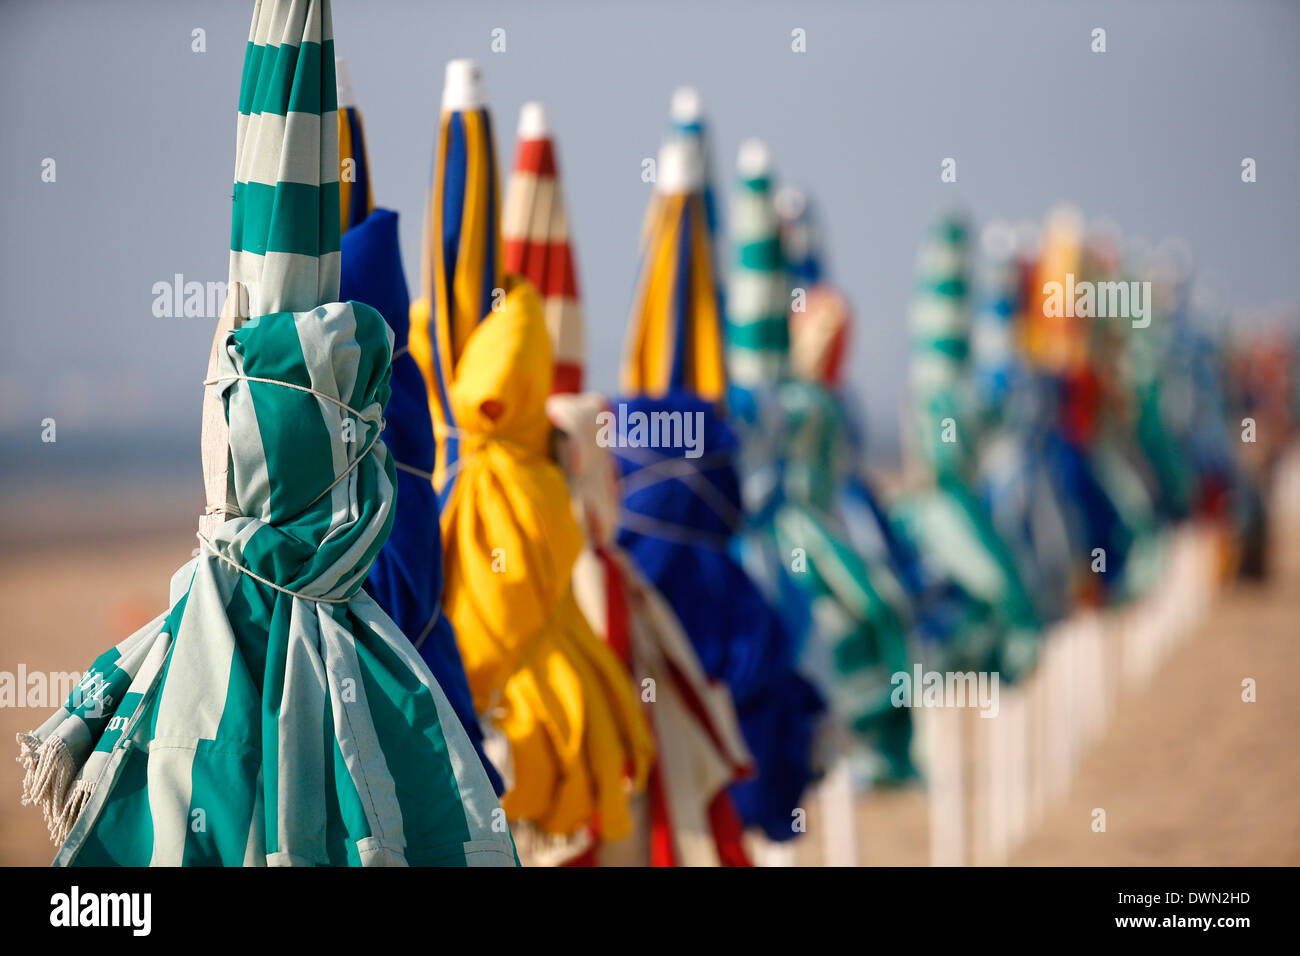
point(1014, 450)
point(942, 427)
point(934, 606)
point(681, 509)
point(758, 334)
point(284, 249)
point(819, 324)
point(994, 359)
point(679, 517)
point(566, 706)
point(688, 817)
point(406, 578)
point(674, 341)
point(356, 194)
point(793, 459)
point(1090, 474)
point(274, 715)
point(1151, 354)
point(461, 271)
point(801, 237)
point(946, 517)
point(858, 612)
point(535, 229)
point(686, 122)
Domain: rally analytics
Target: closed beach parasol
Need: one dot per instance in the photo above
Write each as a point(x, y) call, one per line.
point(461, 271)
point(535, 229)
point(274, 714)
point(682, 500)
point(819, 332)
point(758, 335)
point(578, 742)
point(406, 578)
point(794, 458)
point(675, 333)
point(1014, 474)
point(687, 817)
point(356, 195)
point(947, 518)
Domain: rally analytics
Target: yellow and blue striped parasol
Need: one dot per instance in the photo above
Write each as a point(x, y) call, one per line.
point(675, 332)
point(461, 272)
point(356, 196)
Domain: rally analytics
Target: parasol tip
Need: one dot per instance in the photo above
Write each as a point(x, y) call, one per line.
point(686, 105)
point(791, 201)
point(534, 123)
point(681, 169)
point(463, 87)
point(343, 75)
point(754, 160)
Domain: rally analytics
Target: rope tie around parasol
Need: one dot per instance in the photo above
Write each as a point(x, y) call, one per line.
point(689, 471)
point(374, 419)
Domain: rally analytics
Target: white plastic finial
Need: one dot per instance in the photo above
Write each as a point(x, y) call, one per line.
point(790, 202)
point(680, 167)
point(463, 87)
point(533, 121)
point(754, 159)
point(343, 81)
point(686, 106)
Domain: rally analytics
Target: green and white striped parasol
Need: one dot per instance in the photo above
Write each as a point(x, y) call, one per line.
point(274, 715)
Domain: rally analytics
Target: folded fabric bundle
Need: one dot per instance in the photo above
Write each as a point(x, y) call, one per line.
point(859, 612)
point(578, 743)
point(274, 714)
point(679, 517)
point(687, 817)
point(566, 706)
point(406, 579)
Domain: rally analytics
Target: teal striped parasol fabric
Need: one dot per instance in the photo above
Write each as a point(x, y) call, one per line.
point(858, 612)
point(757, 334)
point(940, 327)
point(274, 715)
point(945, 516)
point(284, 229)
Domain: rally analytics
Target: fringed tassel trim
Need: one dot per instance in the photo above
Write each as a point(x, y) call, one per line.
point(48, 782)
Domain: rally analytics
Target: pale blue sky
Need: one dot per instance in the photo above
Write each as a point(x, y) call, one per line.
point(1150, 134)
